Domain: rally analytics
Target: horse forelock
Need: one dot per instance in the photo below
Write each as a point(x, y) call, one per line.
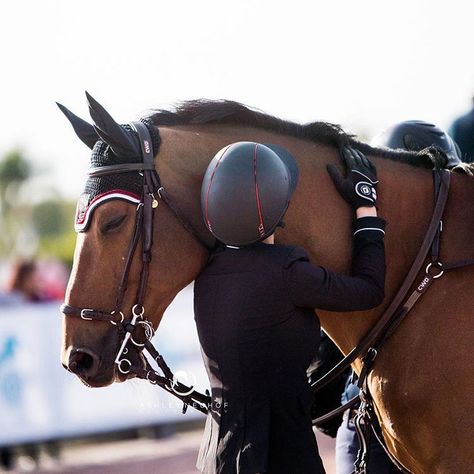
point(227, 112)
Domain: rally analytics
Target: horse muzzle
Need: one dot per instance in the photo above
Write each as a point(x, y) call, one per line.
point(83, 362)
point(91, 369)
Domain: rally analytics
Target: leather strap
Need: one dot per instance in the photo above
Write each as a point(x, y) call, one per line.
point(122, 289)
point(337, 411)
point(433, 271)
point(457, 264)
point(122, 168)
point(378, 329)
point(89, 314)
point(165, 198)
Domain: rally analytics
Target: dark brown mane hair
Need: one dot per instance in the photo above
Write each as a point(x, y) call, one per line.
point(204, 111)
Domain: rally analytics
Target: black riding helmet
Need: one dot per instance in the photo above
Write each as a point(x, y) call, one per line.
point(246, 191)
point(414, 135)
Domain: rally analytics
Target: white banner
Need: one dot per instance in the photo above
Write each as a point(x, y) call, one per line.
point(40, 400)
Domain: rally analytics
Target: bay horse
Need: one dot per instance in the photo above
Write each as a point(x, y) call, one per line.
point(422, 382)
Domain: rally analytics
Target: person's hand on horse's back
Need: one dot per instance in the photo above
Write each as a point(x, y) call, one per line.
point(359, 186)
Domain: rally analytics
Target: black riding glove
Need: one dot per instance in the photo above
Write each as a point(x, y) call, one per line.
point(359, 187)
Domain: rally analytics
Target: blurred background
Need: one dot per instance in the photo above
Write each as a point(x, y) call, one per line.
point(364, 65)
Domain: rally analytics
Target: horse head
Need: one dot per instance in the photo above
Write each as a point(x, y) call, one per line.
point(107, 273)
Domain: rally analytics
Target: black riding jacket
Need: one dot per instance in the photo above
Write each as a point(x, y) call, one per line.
point(254, 311)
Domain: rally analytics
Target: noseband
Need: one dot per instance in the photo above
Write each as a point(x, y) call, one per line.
point(129, 328)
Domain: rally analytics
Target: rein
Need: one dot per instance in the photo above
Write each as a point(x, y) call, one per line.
point(392, 317)
point(383, 322)
point(130, 328)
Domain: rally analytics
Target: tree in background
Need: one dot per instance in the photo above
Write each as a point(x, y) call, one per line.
point(53, 223)
point(15, 171)
point(29, 228)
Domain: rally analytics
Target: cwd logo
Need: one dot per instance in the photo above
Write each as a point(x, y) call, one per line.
point(182, 378)
point(423, 285)
point(146, 144)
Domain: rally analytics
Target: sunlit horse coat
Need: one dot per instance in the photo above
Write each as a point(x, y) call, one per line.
point(259, 333)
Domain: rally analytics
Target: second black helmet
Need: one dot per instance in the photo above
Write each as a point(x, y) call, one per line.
point(414, 135)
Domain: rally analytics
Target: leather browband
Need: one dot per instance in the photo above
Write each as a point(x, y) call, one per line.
point(122, 168)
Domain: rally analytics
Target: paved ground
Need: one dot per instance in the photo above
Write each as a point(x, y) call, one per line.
point(175, 454)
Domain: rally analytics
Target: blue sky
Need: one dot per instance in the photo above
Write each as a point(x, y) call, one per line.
point(364, 64)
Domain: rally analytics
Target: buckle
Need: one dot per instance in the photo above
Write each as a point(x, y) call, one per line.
point(127, 368)
point(122, 317)
point(435, 269)
point(138, 310)
point(87, 311)
point(148, 373)
point(370, 355)
point(148, 330)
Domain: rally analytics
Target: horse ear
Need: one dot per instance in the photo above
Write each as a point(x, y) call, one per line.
point(85, 131)
point(124, 144)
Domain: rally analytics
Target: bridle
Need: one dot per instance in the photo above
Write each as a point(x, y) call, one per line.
point(129, 328)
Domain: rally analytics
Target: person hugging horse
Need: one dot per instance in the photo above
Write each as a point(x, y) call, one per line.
point(254, 306)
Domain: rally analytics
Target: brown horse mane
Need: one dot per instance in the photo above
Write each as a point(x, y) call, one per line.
point(204, 111)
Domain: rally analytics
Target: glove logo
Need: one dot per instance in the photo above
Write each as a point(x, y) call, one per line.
point(366, 191)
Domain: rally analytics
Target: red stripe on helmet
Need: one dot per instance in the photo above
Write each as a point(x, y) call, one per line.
point(261, 227)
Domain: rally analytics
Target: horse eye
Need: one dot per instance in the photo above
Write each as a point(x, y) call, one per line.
point(113, 224)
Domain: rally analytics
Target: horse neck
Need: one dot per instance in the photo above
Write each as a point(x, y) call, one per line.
point(406, 202)
point(317, 219)
point(321, 222)
point(181, 163)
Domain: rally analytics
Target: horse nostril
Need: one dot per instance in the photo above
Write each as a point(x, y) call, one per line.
point(83, 362)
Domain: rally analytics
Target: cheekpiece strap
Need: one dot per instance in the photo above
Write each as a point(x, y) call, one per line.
point(145, 143)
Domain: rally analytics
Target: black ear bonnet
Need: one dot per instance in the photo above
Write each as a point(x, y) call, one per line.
point(125, 186)
point(112, 144)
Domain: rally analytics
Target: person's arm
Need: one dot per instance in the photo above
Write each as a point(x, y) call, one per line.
point(317, 287)
point(314, 286)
